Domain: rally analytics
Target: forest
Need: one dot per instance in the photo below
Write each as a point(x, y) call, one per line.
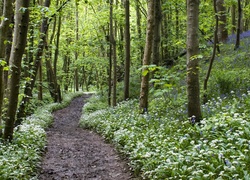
point(169, 82)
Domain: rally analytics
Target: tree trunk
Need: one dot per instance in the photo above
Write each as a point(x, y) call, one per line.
point(113, 53)
point(76, 51)
point(237, 43)
point(4, 31)
point(85, 78)
point(17, 50)
point(205, 98)
point(50, 73)
point(146, 58)
point(157, 33)
point(49, 68)
point(138, 24)
point(40, 84)
point(127, 50)
point(30, 85)
point(66, 64)
point(222, 29)
point(193, 87)
point(58, 95)
point(9, 44)
point(110, 73)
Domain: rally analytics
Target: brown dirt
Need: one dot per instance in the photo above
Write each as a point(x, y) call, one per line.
point(75, 153)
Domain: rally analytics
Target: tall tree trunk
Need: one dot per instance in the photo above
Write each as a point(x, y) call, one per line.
point(113, 53)
point(40, 87)
point(222, 29)
point(112, 59)
point(237, 43)
point(76, 51)
point(84, 76)
point(127, 50)
point(17, 50)
point(157, 33)
point(205, 98)
point(66, 63)
point(57, 88)
point(139, 28)
point(50, 72)
point(49, 68)
point(30, 85)
point(4, 31)
point(110, 71)
point(146, 58)
point(9, 44)
point(193, 87)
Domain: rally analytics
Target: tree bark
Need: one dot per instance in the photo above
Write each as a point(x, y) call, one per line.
point(205, 98)
point(222, 29)
point(17, 50)
point(50, 73)
point(237, 43)
point(57, 95)
point(193, 87)
point(157, 33)
point(4, 31)
point(146, 58)
point(233, 9)
point(113, 54)
point(127, 50)
point(30, 85)
point(139, 28)
point(76, 51)
point(40, 84)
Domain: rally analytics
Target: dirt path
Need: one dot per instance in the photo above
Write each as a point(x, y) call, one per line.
point(75, 153)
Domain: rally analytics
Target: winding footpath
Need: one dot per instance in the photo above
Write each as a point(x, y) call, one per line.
point(75, 153)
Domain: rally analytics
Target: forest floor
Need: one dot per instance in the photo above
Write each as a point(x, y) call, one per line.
point(76, 153)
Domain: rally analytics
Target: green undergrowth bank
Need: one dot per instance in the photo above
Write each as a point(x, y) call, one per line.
point(20, 158)
point(164, 145)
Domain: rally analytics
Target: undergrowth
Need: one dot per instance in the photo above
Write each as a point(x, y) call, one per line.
point(169, 147)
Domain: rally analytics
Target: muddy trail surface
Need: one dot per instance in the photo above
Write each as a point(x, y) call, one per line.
point(75, 153)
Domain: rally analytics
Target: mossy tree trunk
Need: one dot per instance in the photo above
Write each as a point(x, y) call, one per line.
point(17, 51)
point(29, 86)
point(4, 31)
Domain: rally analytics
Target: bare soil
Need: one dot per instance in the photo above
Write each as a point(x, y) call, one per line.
point(76, 153)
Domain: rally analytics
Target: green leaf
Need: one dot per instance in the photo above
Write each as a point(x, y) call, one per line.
point(168, 85)
point(3, 63)
point(198, 56)
point(145, 72)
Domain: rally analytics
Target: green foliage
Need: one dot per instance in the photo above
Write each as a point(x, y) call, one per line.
point(95, 103)
point(134, 86)
point(164, 145)
point(20, 158)
point(230, 71)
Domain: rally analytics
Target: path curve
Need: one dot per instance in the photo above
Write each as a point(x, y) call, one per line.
point(75, 153)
